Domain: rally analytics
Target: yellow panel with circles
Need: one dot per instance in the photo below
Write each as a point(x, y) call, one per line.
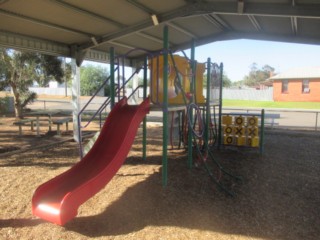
point(240, 130)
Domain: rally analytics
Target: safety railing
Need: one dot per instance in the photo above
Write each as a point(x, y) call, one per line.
point(118, 89)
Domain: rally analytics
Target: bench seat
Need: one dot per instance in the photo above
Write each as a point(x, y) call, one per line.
point(23, 122)
point(61, 121)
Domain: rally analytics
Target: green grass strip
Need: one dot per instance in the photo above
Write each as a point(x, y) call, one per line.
point(270, 104)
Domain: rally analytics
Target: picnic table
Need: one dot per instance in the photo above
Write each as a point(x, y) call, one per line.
point(39, 114)
point(60, 122)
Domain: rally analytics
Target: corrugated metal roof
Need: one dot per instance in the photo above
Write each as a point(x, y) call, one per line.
point(298, 73)
point(90, 28)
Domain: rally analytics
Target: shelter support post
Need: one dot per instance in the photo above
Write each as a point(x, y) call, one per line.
point(144, 130)
point(135, 84)
point(112, 85)
point(165, 107)
point(75, 99)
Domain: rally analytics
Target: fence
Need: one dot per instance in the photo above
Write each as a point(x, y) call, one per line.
point(285, 118)
point(228, 93)
point(50, 91)
point(248, 94)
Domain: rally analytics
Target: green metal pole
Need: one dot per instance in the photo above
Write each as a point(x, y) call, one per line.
point(112, 86)
point(190, 159)
point(220, 106)
point(144, 133)
point(206, 139)
point(165, 107)
point(262, 133)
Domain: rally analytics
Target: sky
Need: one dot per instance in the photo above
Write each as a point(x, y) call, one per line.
point(238, 55)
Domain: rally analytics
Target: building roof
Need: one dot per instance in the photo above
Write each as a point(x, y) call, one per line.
point(88, 29)
point(298, 73)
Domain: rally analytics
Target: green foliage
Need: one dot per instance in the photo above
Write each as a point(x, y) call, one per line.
point(238, 84)
point(20, 69)
point(47, 68)
point(107, 90)
point(226, 82)
point(67, 74)
point(3, 73)
point(256, 75)
point(91, 78)
point(4, 104)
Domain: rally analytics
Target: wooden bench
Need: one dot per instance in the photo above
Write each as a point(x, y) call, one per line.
point(61, 121)
point(23, 122)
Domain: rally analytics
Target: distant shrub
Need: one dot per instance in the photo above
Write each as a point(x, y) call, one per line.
point(4, 104)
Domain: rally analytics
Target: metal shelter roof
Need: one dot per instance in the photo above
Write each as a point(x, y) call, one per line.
point(77, 28)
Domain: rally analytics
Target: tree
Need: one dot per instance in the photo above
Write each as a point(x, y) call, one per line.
point(67, 80)
point(20, 69)
point(52, 69)
point(257, 75)
point(226, 82)
point(91, 78)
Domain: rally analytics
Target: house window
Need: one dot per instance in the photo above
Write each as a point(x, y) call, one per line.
point(284, 88)
point(305, 86)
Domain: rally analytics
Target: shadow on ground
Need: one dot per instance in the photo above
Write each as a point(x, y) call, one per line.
point(279, 198)
point(19, 222)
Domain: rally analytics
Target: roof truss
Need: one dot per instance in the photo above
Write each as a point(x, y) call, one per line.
point(219, 20)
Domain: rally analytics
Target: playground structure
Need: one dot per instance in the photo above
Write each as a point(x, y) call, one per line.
point(178, 68)
point(176, 86)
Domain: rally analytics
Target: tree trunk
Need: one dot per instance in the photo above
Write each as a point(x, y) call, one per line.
point(17, 102)
point(18, 110)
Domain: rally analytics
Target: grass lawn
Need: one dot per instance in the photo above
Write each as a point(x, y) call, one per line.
point(269, 104)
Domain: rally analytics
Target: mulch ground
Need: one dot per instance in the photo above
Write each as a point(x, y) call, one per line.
point(277, 199)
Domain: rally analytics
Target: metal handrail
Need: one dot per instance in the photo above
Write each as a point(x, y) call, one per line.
point(103, 106)
point(107, 101)
point(134, 91)
point(95, 94)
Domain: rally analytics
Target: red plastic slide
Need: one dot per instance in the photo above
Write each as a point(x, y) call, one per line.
point(58, 199)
